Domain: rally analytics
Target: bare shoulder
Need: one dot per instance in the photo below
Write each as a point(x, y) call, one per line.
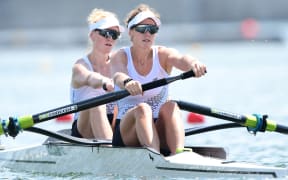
point(166, 51)
point(118, 56)
point(166, 55)
point(80, 62)
point(79, 65)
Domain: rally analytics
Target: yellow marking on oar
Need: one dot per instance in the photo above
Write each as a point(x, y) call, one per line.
point(1, 128)
point(271, 125)
point(26, 121)
point(251, 121)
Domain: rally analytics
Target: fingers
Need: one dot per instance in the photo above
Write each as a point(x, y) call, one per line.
point(107, 84)
point(199, 69)
point(134, 87)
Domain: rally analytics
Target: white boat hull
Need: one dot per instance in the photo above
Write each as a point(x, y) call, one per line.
point(65, 158)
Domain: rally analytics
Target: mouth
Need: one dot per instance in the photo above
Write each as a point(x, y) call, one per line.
point(146, 40)
point(108, 44)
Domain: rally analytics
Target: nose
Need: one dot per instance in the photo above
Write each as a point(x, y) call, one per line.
point(147, 30)
point(108, 36)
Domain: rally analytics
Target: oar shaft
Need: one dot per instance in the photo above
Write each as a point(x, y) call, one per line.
point(250, 121)
point(282, 129)
point(211, 112)
point(104, 99)
point(79, 106)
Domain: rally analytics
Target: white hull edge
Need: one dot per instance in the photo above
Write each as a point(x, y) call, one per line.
point(66, 158)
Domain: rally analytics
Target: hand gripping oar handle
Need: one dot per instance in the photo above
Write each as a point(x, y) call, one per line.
point(251, 121)
point(13, 126)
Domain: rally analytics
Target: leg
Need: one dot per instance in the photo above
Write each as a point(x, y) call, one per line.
point(170, 127)
point(99, 122)
point(93, 123)
point(137, 127)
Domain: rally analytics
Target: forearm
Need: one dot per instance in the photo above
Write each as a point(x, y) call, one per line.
point(119, 79)
point(95, 80)
point(187, 62)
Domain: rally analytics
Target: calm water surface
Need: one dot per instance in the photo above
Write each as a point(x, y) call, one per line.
point(244, 78)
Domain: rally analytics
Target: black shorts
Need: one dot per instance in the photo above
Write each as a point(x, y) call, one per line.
point(117, 138)
point(76, 133)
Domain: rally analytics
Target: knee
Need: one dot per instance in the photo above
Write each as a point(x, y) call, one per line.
point(144, 108)
point(143, 111)
point(99, 109)
point(169, 106)
point(169, 109)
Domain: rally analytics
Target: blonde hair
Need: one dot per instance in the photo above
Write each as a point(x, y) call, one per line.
point(98, 14)
point(95, 16)
point(138, 9)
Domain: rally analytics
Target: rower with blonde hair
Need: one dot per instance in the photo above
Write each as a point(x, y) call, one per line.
point(91, 76)
point(148, 118)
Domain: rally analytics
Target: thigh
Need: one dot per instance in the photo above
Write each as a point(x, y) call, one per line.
point(169, 119)
point(128, 129)
point(83, 124)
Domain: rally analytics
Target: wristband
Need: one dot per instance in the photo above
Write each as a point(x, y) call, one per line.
point(126, 81)
point(104, 86)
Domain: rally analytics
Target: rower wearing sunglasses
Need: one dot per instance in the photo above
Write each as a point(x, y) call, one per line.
point(148, 118)
point(91, 77)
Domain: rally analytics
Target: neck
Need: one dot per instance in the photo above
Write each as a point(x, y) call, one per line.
point(98, 58)
point(141, 56)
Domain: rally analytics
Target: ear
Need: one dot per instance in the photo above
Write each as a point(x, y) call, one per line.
point(130, 32)
point(91, 34)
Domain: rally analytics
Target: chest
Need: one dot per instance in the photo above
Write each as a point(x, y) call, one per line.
point(104, 70)
point(143, 68)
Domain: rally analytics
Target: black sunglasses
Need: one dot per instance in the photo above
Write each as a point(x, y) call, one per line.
point(109, 33)
point(143, 28)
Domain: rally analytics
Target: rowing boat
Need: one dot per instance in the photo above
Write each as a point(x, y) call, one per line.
point(62, 158)
point(73, 155)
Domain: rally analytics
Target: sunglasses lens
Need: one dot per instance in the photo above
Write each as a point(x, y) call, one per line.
point(140, 29)
point(152, 29)
point(109, 33)
point(113, 34)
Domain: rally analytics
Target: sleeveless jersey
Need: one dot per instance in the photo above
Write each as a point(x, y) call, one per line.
point(155, 97)
point(87, 92)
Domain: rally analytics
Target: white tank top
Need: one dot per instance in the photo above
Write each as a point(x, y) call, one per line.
point(87, 92)
point(155, 97)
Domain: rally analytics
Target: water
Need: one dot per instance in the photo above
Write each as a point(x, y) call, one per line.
point(243, 78)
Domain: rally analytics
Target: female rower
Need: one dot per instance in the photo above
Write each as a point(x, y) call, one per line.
point(91, 77)
point(148, 118)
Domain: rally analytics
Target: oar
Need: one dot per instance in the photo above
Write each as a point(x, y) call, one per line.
point(66, 137)
point(201, 129)
point(14, 125)
point(254, 123)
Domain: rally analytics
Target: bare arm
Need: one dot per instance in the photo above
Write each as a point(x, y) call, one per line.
point(119, 68)
point(170, 58)
point(82, 76)
point(120, 74)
